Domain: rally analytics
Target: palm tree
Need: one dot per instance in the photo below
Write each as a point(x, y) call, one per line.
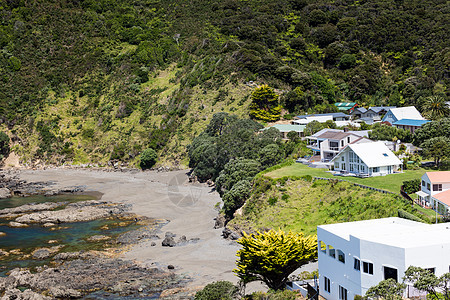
point(435, 108)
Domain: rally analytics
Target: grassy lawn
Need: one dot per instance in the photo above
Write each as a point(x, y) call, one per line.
point(390, 182)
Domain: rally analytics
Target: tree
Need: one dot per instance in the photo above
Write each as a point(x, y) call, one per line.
point(438, 148)
point(270, 155)
point(388, 289)
point(435, 108)
point(235, 197)
point(431, 130)
point(313, 127)
point(148, 158)
point(382, 132)
point(265, 104)
point(219, 290)
point(236, 170)
point(4, 144)
point(272, 256)
point(425, 280)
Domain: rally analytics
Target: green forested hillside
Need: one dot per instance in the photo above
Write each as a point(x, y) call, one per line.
point(90, 81)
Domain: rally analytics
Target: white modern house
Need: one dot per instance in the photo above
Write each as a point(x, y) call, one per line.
point(321, 118)
point(434, 189)
point(328, 142)
point(396, 114)
point(366, 160)
point(355, 256)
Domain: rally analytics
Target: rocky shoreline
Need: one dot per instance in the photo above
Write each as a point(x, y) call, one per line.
point(77, 274)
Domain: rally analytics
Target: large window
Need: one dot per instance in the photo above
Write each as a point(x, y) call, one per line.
point(437, 187)
point(376, 169)
point(390, 273)
point(423, 183)
point(341, 256)
point(327, 284)
point(342, 293)
point(428, 186)
point(323, 247)
point(356, 264)
point(368, 267)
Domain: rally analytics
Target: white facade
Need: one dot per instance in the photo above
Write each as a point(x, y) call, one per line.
point(367, 159)
point(367, 252)
point(306, 120)
point(433, 183)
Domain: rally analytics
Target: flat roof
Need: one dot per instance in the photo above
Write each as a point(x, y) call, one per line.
point(393, 231)
point(334, 115)
point(410, 122)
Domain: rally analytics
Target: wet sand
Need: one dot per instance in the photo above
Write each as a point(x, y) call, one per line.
point(162, 195)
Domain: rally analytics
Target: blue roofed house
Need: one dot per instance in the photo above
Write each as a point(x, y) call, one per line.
point(409, 124)
point(408, 118)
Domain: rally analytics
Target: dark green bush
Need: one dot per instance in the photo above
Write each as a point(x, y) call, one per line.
point(148, 158)
point(411, 186)
point(4, 145)
point(219, 290)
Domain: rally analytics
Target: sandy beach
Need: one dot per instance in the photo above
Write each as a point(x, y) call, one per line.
point(189, 208)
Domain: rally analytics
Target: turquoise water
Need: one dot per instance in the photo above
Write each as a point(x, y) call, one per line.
point(71, 235)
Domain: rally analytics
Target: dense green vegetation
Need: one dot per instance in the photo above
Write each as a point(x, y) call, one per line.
point(92, 81)
point(299, 205)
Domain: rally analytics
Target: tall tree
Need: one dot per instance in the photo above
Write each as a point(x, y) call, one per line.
point(265, 104)
point(438, 148)
point(272, 256)
point(435, 108)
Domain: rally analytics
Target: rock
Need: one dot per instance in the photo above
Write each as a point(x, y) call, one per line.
point(170, 267)
point(52, 241)
point(16, 294)
point(15, 252)
point(48, 224)
point(3, 253)
point(32, 207)
point(153, 244)
point(229, 234)
point(61, 292)
point(98, 238)
point(43, 253)
point(169, 242)
point(220, 222)
point(17, 224)
point(2, 234)
point(5, 193)
point(170, 234)
point(182, 239)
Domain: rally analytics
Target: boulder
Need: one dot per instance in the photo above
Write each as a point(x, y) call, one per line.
point(17, 224)
point(5, 193)
point(61, 292)
point(3, 253)
point(220, 222)
point(169, 242)
point(2, 234)
point(98, 238)
point(48, 224)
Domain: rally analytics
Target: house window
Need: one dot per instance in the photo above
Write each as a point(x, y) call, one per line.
point(390, 273)
point(431, 270)
point(327, 284)
point(423, 183)
point(385, 154)
point(342, 293)
point(323, 247)
point(341, 256)
point(428, 186)
point(348, 139)
point(356, 264)
point(437, 187)
point(376, 169)
point(343, 159)
point(336, 165)
point(368, 267)
point(342, 143)
point(331, 251)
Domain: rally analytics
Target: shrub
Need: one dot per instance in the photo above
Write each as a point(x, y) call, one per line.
point(4, 145)
point(411, 186)
point(148, 158)
point(222, 290)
